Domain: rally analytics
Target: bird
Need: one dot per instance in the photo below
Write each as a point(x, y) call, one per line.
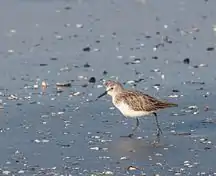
point(134, 104)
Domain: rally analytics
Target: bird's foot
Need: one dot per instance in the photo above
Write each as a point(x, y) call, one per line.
point(156, 143)
point(159, 132)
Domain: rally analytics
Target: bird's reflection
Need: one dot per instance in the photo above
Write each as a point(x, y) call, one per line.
point(136, 148)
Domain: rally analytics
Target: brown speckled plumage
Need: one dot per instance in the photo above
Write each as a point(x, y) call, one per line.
point(133, 103)
point(141, 102)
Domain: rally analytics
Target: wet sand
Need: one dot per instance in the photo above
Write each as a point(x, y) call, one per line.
point(164, 49)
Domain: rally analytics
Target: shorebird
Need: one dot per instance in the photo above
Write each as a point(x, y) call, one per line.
point(134, 104)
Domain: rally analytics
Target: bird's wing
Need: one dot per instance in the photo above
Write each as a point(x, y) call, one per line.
point(139, 101)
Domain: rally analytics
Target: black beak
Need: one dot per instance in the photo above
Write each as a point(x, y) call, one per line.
point(103, 94)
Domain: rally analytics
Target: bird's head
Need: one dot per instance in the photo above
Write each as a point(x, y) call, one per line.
point(112, 88)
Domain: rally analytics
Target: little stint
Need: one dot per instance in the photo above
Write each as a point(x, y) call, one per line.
point(134, 104)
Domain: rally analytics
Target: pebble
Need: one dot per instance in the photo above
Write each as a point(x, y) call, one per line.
point(186, 61)
point(63, 84)
point(210, 49)
point(108, 173)
point(10, 51)
point(158, 154)
point(105, 72)
point(67, 8)
point(124, 158)
point(21, 172)
point(6, 172)
point(13, 31)
point(37, 141)
point(12, 97)
point(165, 26)
point(94, 148)
point(59, 37)
point(131, 82)
point(155, 57)
point(92, 80)
point(132, 168)
point(45, 140)
point(76, 93)
point(79, 25)
point(162, 76)
point(86, 65)
point(87, 49)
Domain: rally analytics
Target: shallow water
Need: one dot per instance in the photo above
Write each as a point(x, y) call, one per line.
point(59, 131)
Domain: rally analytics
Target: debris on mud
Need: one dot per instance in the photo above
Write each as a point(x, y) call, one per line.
point(210, 49)
point(186, 61)
point(92, 80)
point(87, 49)
point(86, 65)
point(43, 65)
point(63, 84)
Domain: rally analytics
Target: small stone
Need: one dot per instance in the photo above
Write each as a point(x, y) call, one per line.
point(162, 76)
point(37, 141)
point(13, 31)
point(67, 8)
point(105, 72)
point(147, 36)
point(94, 148)
point(92, 80)
point(186, 61)
point(6, 172)
point(123, 158)
point(137, 60)
point(10, 51)
point(108, 173)
point(66, 84)
point(86, 65)
point(35, 86)
point(59, 37)
point(210, 49)
point(53, 58)
point(165, 26)
point(79, 25)
point(45, 141)
point(12, 97)
point(76, 93)
point(132, 168)
point(87, 49)
point(43, 65)
point(155, 57)
point(21, 172)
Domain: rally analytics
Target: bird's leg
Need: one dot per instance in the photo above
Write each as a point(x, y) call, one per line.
point(137, 125)
point(158, 126)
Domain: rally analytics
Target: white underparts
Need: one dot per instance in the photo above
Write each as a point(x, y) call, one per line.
point(129, 112)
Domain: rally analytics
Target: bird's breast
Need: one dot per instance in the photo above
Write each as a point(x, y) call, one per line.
point(128, 111)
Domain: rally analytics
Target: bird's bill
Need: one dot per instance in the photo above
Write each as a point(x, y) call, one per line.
point(103, 94)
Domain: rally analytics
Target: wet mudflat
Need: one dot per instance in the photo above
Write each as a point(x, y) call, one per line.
point(54, 56)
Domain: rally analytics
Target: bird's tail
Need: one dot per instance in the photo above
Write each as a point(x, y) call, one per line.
point(171, 104)
point(164, 104)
